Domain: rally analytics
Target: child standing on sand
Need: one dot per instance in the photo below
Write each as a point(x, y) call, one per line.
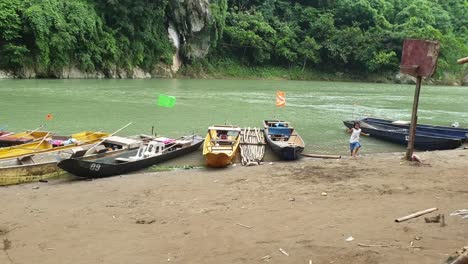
point(354, 144)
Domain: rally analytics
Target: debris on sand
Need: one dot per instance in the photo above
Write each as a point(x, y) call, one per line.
point(284, 252)
point(434, 219)
point(245, 226)
point(6, 244)
point(145, 222)
point(414, 215)
point(463, 213)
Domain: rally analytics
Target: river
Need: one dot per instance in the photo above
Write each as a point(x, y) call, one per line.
point(316, 109)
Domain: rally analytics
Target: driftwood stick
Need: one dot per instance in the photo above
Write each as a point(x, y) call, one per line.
point(321, 156)
point(367, 245)
point(284, 252)
point(414, 215)
point(246, 226)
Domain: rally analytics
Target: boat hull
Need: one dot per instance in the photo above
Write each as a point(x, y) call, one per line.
point(218, 152)
point(94, 169)
point(442, 131)
point(44, 165)
point(400, 136)
point(219, 160)
point(28, 173)
point(34, 148)
point(285, 150)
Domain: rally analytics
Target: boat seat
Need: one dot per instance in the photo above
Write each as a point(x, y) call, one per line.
point(26, 160)
point(279, 137)
point(221, 148)
point(223, 141)
point(139, 155)
point(100, 149)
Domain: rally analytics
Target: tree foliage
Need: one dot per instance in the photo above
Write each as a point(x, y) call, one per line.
point(364, 36)
point(359, 35)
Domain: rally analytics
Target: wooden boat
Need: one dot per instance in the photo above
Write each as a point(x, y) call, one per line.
point(221, 144)
point(44, 165)
point(53, 143)
point(148, 154)
point(442, 131)
point(283, 139)
point(13, 139)
point(424, 140)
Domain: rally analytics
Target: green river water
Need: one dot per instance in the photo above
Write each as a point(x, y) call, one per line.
point(316, 109)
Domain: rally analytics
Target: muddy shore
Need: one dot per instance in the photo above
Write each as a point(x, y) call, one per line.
point(243, 214)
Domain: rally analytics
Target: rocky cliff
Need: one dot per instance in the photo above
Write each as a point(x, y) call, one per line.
point(193, 22)
point(190, 29)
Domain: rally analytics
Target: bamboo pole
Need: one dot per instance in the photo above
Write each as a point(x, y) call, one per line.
point(321, 156)
point(414, 215)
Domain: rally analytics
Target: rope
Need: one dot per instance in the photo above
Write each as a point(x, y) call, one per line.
point(252, 146)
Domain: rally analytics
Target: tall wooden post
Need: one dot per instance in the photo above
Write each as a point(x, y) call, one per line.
point(419, 59)
point(414, 120)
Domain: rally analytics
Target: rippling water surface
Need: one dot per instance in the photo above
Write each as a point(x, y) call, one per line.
point(316, 109)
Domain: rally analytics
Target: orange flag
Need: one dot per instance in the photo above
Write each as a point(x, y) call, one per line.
point(49, 117)
point(280, 99)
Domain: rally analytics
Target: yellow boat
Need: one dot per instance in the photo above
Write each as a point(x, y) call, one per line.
point(221, 145)
point(12, 139)
point(52, 144)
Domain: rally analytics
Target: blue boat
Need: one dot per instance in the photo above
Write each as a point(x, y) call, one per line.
point(443, 131)
point(283, 139)
point(424, 141)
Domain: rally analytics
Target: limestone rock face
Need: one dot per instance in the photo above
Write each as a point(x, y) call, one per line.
point(192, 21)
point(405, 79)
point(5, 75)
point(73, 72)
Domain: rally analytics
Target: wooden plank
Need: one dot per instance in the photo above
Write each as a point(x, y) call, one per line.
point(321, 156)
point(414, 215)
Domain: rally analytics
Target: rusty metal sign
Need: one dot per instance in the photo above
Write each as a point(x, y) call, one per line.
point(419, 57)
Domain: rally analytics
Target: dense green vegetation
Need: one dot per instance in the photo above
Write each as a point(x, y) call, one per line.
point(360, 37)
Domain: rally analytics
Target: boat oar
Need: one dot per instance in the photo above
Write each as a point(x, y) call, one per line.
point(102, 140)
point(40, 143)
point(32, 131)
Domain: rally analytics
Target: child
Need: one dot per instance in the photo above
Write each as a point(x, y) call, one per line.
point(354, 144)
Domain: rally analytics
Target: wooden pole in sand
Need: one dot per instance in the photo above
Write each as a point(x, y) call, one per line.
point(414, 120)
point(419, 59)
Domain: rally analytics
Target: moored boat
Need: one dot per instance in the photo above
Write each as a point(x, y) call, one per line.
point(44, 165)
point(283, 139)
point(13, 139)
point(51, 144)
point(148, 154)
point(442, 131)
point(423, 140)
point(221, 144)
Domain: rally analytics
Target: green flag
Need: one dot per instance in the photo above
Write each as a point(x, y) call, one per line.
point(166, 100)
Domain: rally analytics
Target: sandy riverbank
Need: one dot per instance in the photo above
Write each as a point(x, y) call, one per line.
point(191, 216)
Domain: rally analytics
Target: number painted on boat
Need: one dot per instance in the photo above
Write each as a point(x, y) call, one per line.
point(95, 167)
